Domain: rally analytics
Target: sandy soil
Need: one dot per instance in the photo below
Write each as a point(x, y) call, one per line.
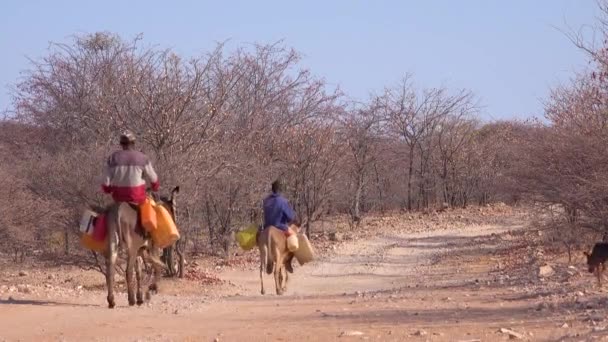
point(445, 283)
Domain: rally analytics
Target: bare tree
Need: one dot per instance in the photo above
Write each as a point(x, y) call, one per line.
point(361, 130)
point(414, 116)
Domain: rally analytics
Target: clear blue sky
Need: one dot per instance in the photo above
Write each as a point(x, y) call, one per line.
point(508, 52)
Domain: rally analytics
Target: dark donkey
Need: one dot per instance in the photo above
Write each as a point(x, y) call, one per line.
point(125, 232)
point(170, 203)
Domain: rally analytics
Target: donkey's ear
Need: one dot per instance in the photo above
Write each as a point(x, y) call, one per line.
point(175, 190)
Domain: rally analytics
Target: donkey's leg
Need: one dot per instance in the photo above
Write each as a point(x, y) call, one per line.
point(145, 257)
point(285, 279)
point(263, 262)
point(287, 262)
point(277, 279)
point(157, 265)
point(138, 267)
point(278, 268)
point(111, 256)
point(131, 256)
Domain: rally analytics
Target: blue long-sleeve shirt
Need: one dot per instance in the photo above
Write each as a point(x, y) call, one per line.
point(277, 212)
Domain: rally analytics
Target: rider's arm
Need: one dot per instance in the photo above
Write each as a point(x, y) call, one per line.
point(151, 176)
point(106, 178)
point(290, 215)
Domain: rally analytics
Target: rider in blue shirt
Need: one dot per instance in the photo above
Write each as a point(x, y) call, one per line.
point(278, 213)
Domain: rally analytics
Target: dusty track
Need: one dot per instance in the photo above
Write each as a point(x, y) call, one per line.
point(437, 285)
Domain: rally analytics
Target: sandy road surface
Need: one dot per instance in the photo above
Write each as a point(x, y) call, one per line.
point(388, 288)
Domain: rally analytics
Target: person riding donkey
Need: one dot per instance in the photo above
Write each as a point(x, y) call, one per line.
point(279, 214)
point(126, 172)
point(124, 177)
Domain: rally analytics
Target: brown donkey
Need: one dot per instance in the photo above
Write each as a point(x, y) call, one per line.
point(274, 255)
point(125, 232)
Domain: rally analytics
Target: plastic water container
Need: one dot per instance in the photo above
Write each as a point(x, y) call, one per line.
point(88, 242)
point(247, 238)
point(101, 228)
point(292, 242)
point(87, 222)
point(148, 215)
point(166, 232)
point(305, 253)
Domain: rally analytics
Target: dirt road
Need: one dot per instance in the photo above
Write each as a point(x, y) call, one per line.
point(442, 285)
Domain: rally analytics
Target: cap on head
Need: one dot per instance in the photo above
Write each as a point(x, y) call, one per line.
point(127, 138)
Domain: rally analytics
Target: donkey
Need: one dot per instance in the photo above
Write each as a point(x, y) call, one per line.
point(125, 231)
point(597, 259)
point(274, 256)
point(170, 203)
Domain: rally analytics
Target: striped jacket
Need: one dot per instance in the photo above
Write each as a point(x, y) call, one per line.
point(125, 175)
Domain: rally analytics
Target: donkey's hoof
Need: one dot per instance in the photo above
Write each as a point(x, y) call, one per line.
point(111, 302)
point(140, 299)
point(263, 292)
point(153, 288)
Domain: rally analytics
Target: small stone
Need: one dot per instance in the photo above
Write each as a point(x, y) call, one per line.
point(512, 334)
point(23, 289)
point(545, 271)
point(420, 333)
point(580, 294)
point(565, 326)
point(350, 333)
point(335, 237)
point(595, 317)
point(598, 329)
point(542, 306)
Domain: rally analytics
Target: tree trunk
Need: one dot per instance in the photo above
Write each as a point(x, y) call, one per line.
point(308, 229)
point(409, 179)
point(379, 186)
point(356, 215)
point(210, 225)
point(66, 236)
